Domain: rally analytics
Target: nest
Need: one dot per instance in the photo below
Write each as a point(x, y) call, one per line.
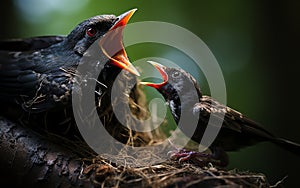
point(166, 174)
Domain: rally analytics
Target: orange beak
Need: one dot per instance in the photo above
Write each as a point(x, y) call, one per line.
point(161, 70)
point(112, 44)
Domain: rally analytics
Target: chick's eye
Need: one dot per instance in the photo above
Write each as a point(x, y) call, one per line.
point(91, 31)
point(176, 74)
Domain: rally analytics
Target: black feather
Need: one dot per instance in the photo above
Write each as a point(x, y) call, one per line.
point(237, 131)
point(34, 72)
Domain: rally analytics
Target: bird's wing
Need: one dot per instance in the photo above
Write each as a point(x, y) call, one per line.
point(237, 130)
point(26, 79)
point(29, 44)
point(30, 74)
point(19, 65)
point(17, 75)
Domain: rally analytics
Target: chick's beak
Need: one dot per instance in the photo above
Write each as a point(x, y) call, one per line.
point(112, 45)
point(161, 70)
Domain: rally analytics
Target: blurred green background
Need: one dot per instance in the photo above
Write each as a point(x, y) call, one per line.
point(255, 42)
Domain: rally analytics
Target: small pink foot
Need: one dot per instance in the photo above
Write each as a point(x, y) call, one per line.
point(199, 158)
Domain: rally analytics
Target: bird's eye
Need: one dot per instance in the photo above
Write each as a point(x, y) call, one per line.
point(91, 31)
point(176, 74)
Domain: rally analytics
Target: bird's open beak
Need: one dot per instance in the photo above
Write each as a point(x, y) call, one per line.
point(112, 44)
point(161, 70)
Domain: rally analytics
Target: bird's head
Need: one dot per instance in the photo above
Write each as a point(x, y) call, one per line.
point(179, 88)
point(174, 80)
point(107, 30)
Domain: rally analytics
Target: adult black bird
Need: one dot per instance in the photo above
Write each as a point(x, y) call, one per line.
point(38, 73)
point(236, 131)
